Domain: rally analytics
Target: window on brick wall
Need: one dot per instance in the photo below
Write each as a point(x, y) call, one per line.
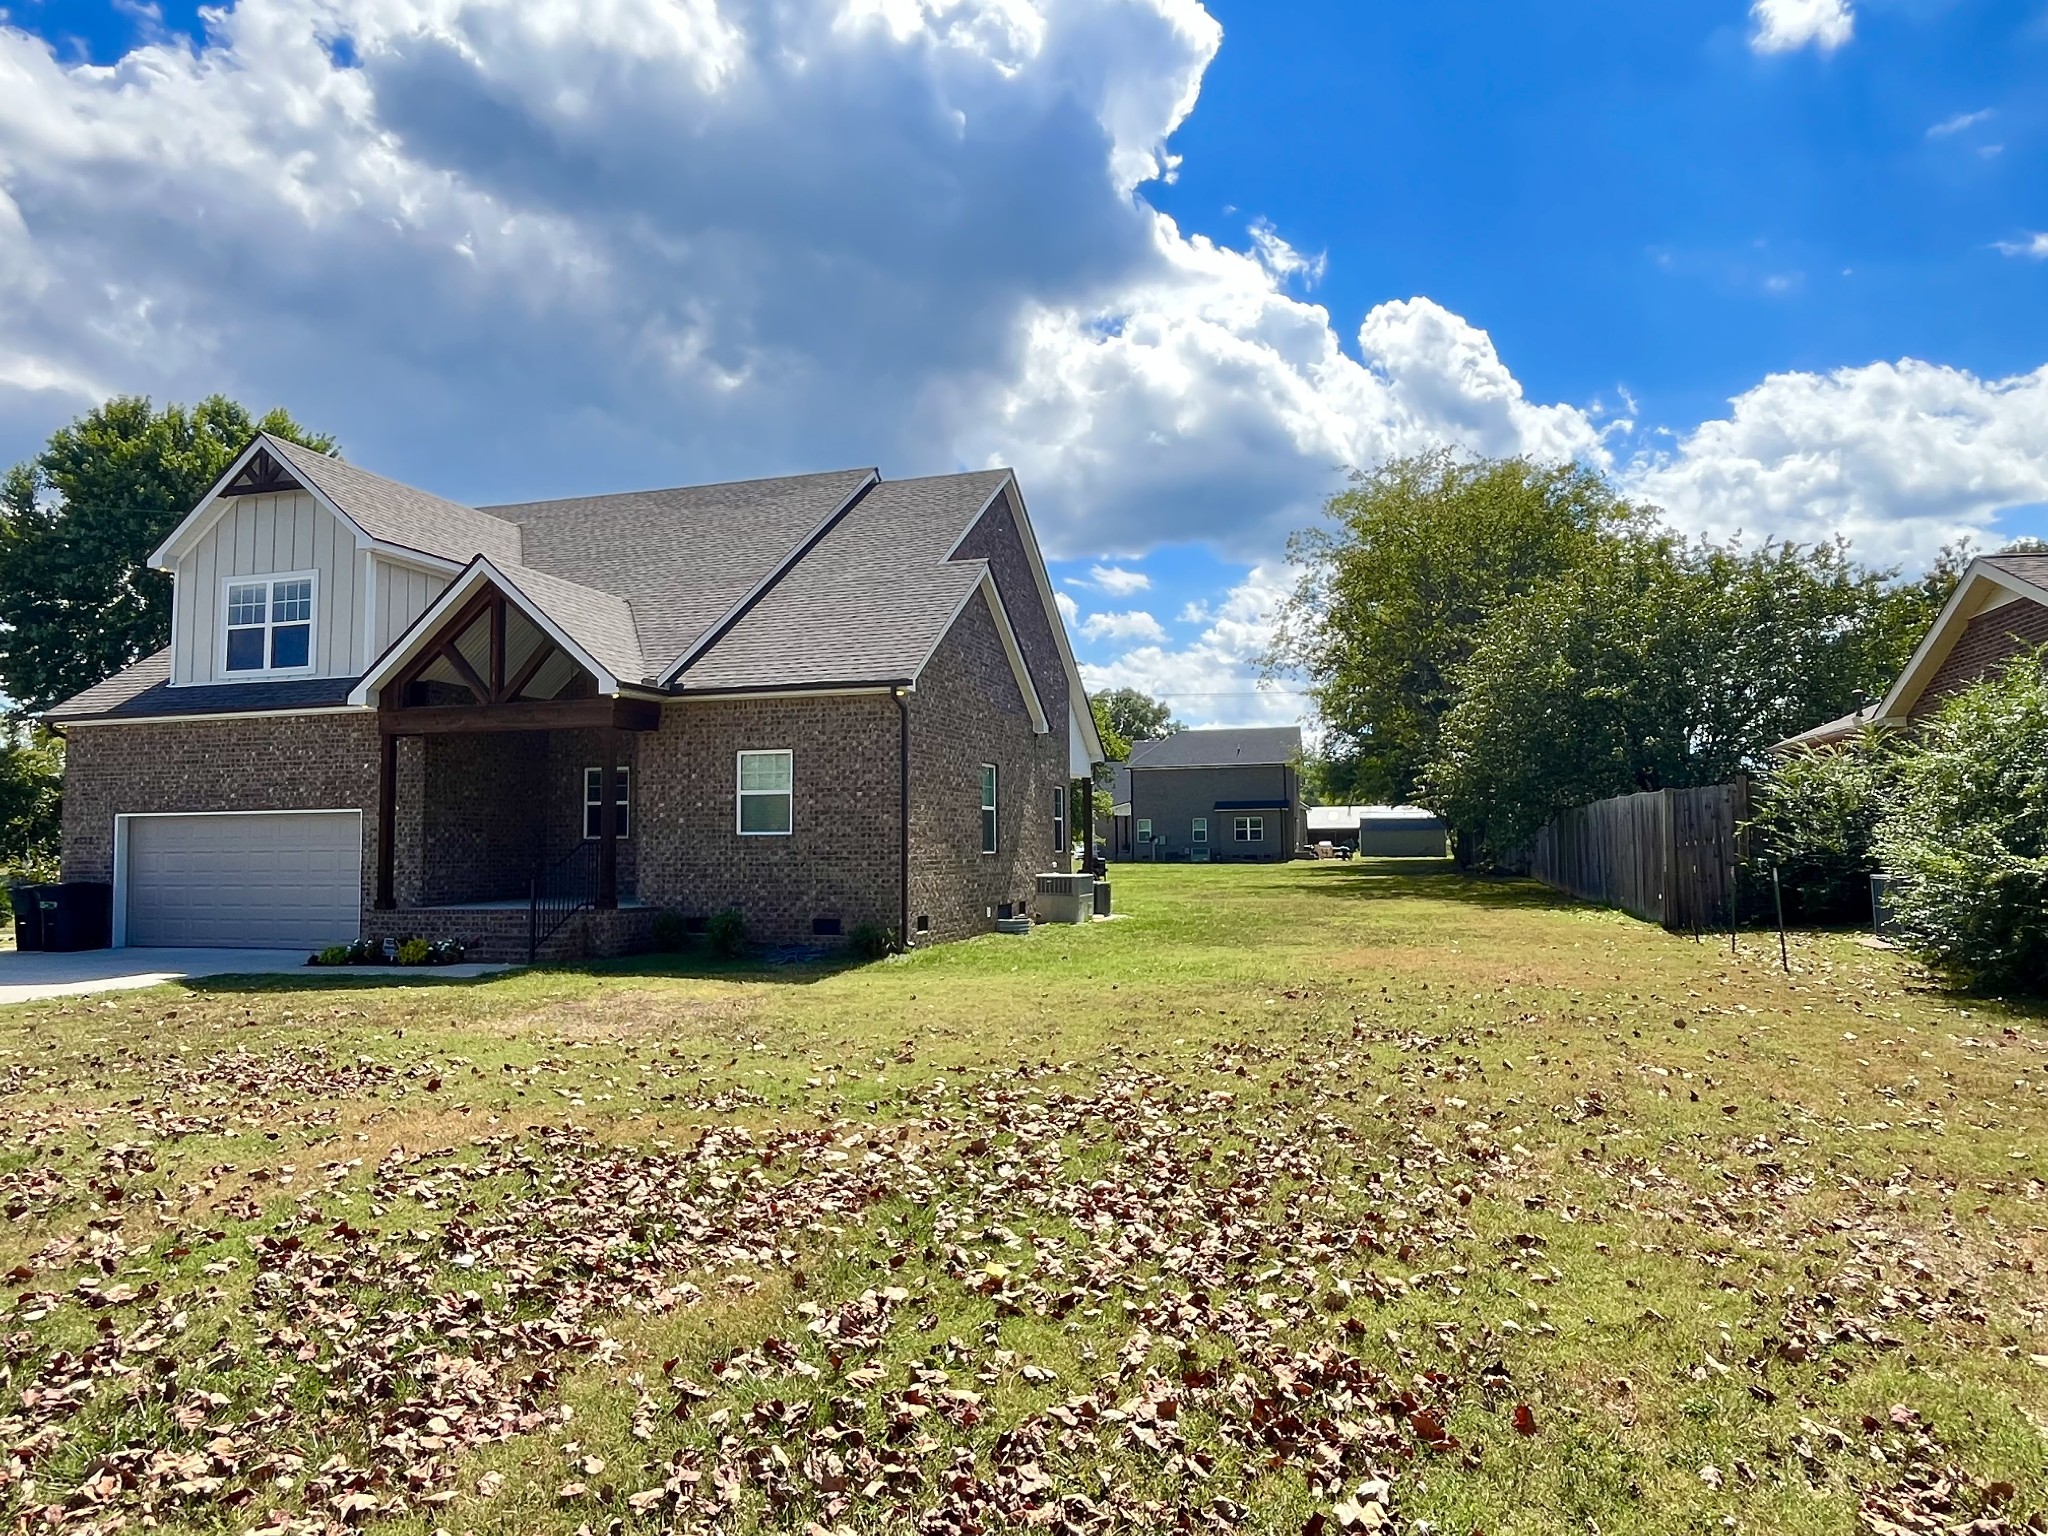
point(767, 792)
point(593, 801)
point(1059, 818)
point(988, 807)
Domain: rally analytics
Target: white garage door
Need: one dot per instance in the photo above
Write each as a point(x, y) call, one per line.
point(292, 879)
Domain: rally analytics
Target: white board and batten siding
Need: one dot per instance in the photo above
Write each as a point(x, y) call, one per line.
point(402, 595)
point(357, 611)
point(261, 536)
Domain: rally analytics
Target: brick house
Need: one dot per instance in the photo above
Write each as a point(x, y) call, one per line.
point(1210, 796)
point(1998, 610)
point(824, 701)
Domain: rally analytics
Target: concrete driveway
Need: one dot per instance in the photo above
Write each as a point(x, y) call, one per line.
point(25, 978)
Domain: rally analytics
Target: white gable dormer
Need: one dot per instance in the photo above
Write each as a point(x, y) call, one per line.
point(272, 581)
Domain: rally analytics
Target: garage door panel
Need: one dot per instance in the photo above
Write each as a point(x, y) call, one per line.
point(285, 880)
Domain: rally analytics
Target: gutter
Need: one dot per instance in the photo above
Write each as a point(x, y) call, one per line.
point(900, 695)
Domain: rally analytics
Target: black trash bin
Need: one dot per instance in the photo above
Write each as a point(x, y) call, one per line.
point(28, 915)
point(79, 914)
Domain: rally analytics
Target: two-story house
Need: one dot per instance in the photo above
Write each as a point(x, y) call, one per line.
point(823, 701)
point(1215, 796)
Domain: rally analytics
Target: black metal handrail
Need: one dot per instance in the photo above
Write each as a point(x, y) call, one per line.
point(559, 891)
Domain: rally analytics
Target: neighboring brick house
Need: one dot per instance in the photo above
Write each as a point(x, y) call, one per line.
point(1998, 610)
point(823, 701)
point(1210, 796)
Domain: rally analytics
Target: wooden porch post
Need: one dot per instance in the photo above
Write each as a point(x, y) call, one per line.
point(608, 821)
point(387, 824)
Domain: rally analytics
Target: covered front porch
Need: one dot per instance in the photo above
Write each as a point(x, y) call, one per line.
point(506, 781)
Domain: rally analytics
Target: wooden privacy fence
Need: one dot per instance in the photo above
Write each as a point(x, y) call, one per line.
point(1668, 856)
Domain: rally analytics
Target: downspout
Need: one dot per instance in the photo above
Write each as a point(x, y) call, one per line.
point(901, 696)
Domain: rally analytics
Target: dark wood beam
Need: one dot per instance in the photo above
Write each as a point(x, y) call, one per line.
point(498, 649)
point(476, 685)
point(529, 669)
point(522, 715)
point(464, 617)
point(387, 825)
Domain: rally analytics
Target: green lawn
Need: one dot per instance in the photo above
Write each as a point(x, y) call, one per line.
point(1319, 1196)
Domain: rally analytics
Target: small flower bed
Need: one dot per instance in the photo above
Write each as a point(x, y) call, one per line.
point(412, 951)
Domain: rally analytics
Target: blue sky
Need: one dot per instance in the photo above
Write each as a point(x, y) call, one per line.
point(1779, 267)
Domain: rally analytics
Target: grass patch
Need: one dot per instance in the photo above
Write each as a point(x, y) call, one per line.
point(1360, 1192)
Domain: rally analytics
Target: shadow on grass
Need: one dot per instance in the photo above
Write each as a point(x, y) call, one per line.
point(1435, 880)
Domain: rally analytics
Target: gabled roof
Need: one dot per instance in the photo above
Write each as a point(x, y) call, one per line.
point(397, 514)
point(834, 580)
point(380, 512)
point(595, 628)
point(1986, 581)
point(684, 558)
point(1250, 746)
point(870, 603)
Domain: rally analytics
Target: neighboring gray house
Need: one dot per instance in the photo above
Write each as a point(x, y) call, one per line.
point(824, 701)
point(1221, 796)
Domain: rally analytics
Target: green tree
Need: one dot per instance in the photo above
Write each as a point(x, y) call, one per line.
point(78, 522)
point(31, 776)
point(1965, 833)
point(1115, 745)
point(1391, 594)
point(1133, 716)
point(1656, 664)
point(1815, 816)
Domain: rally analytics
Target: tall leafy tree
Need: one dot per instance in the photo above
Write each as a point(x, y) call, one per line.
point(1133, 716)
point(77, 524)
point(31, 776)
point(1414, 559)
point(1657, 664)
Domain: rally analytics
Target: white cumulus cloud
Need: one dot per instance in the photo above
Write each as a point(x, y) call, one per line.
point(1782, 26)
point(1901, 457)
point(2033, 246)
point(1215, 679)
point(1134, 625)
point(1118, 579)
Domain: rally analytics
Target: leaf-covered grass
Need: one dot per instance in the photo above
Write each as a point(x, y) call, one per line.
point(1314, 1196)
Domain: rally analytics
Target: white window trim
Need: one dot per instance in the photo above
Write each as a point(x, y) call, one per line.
point(592, 798)
point(1257, 823)
point(1061, 840)
point(991, 813)
point(221, 626)
point(741, 795)
point(1199, 833)
point(1144, 832)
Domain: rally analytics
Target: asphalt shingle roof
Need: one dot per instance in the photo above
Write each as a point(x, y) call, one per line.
point(600, 622)
point(1239, 748)
point(808, 580)
point(398, 514)
point(684, 557)
point(869, 603)
point(2032, 569)
point(143, 691)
